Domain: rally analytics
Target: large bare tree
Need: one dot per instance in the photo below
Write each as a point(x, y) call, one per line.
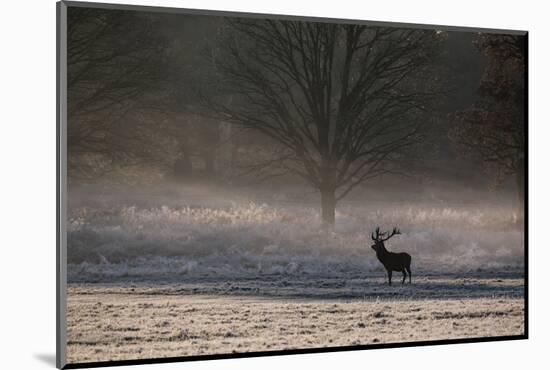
point(344, 103)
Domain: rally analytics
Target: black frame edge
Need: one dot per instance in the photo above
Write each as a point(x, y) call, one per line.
point(526, 187)
point(226, 13)
point(161, 360)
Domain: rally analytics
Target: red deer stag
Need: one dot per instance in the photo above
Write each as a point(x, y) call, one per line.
point(391, 261)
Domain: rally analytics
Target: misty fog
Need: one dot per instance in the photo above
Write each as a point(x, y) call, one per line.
point(168, 177)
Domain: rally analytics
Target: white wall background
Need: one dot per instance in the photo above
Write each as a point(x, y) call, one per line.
point(27, 154)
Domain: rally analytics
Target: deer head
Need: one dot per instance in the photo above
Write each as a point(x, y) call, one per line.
point(379, 238)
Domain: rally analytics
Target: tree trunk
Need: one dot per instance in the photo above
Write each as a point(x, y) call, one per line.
point(328, 206)
point(183, 167)
point(224, 150)
point(209, 163)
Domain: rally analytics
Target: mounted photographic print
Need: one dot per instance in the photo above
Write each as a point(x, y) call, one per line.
point(235, 184)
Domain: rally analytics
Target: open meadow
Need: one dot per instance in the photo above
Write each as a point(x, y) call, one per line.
point(209, 276)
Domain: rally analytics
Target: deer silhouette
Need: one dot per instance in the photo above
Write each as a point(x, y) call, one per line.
point(391, 261)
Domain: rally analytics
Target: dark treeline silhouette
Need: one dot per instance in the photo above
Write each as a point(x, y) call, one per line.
point(179, 98)
point(494, 126)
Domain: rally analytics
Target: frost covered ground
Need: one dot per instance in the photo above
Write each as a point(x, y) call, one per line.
point(229, 236)
point(133, 321)
point(190, 273)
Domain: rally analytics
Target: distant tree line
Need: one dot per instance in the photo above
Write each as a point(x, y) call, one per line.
point(494, 127)
point(333, 104)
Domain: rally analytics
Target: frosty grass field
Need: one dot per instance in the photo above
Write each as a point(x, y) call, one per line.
point(213, 276)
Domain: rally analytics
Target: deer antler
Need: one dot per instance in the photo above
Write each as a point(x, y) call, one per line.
point(378, 237)
point(395, 231)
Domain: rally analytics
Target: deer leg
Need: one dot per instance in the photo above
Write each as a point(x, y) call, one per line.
point(404, 276)
point(389, 276)
point(409, 271)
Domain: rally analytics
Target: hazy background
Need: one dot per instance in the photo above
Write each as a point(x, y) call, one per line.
point(160, 186)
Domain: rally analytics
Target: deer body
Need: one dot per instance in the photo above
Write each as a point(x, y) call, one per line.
point(391, 261)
